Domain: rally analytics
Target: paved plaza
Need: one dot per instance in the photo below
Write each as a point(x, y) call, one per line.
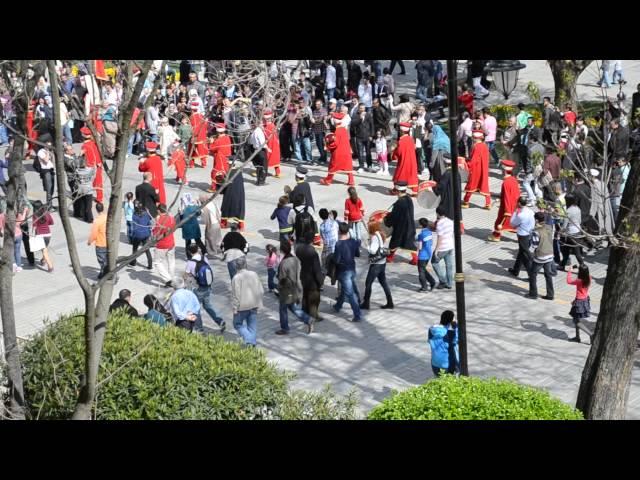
point(509, 336)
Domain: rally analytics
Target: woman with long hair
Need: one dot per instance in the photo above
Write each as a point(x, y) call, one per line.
point(377, 266)
point(42, 220)
point(581, 305)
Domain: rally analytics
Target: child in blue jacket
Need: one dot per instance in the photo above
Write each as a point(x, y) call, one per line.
point(443, 340)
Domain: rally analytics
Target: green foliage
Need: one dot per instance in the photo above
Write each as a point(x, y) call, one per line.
point(150, 372)
point(533, 92)
point(469, 398)
point(301, 405)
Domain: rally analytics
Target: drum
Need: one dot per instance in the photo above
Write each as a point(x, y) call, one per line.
point(378, 217)
point(426, 198)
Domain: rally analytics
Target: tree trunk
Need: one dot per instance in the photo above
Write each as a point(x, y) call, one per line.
point(565, 77)
point(604, 388)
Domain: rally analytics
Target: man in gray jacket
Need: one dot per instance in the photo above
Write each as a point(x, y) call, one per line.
point(542, 248)
point(246, 298)
point(84, 180)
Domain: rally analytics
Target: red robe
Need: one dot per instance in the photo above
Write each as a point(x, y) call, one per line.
point(479, 170)
point(407, 169)
point(273, 142)
point(199, 140)
point(178, 160)
point(92, 156)
point(341, 152)
point(221, 151)
point(509, 195)
point(153, 164)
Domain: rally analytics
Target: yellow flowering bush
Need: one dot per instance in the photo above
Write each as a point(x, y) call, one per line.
point(503, 112)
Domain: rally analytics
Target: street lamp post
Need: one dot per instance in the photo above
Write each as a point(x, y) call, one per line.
point(505, 75)
point(453, 128)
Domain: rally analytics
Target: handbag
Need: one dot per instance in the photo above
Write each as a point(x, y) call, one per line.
point(382, 252)
point(36, 243)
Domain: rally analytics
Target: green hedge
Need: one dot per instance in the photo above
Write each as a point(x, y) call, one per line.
point(470, 398)
point(171, 374)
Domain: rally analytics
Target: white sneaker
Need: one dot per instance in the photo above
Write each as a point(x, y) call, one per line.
point(17, 269)
point(380, 172)
point(361, 170)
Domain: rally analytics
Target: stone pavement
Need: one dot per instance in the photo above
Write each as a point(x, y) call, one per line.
point(509, 336)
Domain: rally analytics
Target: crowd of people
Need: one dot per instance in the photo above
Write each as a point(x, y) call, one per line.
point(557, 203)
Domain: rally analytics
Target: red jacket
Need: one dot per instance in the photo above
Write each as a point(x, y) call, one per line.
point(164, 223)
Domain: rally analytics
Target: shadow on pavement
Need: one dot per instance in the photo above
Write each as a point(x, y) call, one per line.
point(544, 329)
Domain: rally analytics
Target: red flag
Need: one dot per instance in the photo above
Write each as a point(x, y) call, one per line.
point(99, 69)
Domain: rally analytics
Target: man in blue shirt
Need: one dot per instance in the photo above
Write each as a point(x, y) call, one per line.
point(185, 307)
point(425, 240)
point(523, 220)
point(344, 257)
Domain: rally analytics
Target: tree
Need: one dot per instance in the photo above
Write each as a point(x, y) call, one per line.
point(97, 296)
point(565, 77)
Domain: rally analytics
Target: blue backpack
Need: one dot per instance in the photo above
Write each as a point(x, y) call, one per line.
point(204, 274)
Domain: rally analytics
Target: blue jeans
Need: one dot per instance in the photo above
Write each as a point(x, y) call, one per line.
point(4, 137)
point(297, 311)
point(492, 151)
point(204, 297)
point(421, 93)
point(17, 254)
point(617, 74)
point(605, 78)
point(320, 144)
point(135, 138)
point(330, 92)
point(231, 266)
point(271, 275)
point(248, 332)
point(347, 283)
point(306, 145)
point(66, 133)
point(439, 268)
point(101, 253)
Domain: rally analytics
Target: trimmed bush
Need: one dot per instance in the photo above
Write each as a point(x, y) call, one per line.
point(150, 372)
point(469, 398)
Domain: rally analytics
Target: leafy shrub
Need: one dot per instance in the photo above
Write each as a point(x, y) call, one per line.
point(470, 398)
point(150, 372)
point(325, 405)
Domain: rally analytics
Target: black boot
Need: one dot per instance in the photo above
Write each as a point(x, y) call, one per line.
point(389, 305)
point(577, 337)
point(364, 306)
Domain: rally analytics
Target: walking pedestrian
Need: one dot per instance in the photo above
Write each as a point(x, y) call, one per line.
point(290, 290)
point(425, 248)
point(353, 214)
point(346, 250)
point(523, 220)
point(185, 307)
point(246, 298)
point(377, 267)
point(140, 232)
point(199, 269)
point(542, 257)
point(191, 228)
point(164, 255)
point(234, 246)
point(581, 305)
point(444, 250)
point(99, 237)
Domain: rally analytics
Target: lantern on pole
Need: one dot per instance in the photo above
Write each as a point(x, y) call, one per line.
point(505, 75)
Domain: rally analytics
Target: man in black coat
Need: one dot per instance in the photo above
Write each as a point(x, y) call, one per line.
point(310, 275)
point(232, 209)
point(302, 187)
point(402, 221)
point(381, 118)
point(444, 189)
point(619, 141)
point(124, 302)
point(339, 80)
point(362, 129)
point(146, 194)
point(354, 75)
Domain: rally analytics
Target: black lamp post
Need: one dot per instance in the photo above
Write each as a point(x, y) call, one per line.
point(505, 75)
point(452, 73)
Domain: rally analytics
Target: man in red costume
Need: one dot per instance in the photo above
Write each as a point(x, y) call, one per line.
point(339, 145)
point(178, 161)
point(221, 151)
point(405, 154)
point(153, 163)
point(93, 160)
point(509, 196)
point(478, 171)
point(273, 142)
point(199, 140)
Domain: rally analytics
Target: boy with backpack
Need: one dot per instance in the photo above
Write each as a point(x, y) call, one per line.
point(301, 216)
point(200, 273)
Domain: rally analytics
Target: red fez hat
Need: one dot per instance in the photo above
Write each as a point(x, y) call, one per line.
point(508, 163)
point(151, 145)
point(405, 125)
point(477, 134)
point(85, 131)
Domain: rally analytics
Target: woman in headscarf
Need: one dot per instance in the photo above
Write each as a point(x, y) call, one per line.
point(212, 230)
point(191, 228)
point(440, 144)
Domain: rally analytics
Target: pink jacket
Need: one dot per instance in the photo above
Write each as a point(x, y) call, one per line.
point(491, 126)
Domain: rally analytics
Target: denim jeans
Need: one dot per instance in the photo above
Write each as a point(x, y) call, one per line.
point(134, 139)
point(231, 266)
point(17, 253)
point(424, 276)
point(319, 137)
point(248, 332)
point(347, 281)
point(330, 92)
point(204, 297)
point(101, 254)
point(297, 311)
point(4, 137)
point(492, 151)
point(364, 153)
point(548, 276)
point(66, 133)
point(421, 93)
point(617, 75)
point(436, 263)
point(271, 275)
point(48, 184)
point(304, 144)
point(605, 78)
